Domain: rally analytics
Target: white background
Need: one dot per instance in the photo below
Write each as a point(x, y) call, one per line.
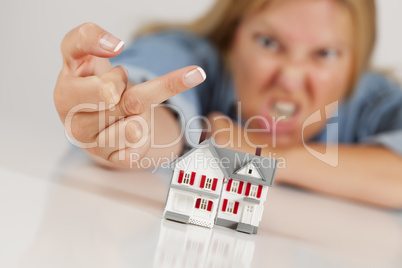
point(31, 32)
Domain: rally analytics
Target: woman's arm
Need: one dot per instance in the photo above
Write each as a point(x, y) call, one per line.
point(368, 174)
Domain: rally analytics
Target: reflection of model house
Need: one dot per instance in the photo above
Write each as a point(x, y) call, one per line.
point(190, 246)
point(212, 185)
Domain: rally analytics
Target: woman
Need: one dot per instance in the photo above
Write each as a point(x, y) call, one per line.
point(284, 61)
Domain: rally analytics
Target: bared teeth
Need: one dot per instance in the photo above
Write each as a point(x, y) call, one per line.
point(284, 108)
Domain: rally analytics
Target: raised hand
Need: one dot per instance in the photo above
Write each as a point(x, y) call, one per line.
point(100, 109)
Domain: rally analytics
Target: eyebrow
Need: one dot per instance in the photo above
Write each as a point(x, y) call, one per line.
point(277, 34)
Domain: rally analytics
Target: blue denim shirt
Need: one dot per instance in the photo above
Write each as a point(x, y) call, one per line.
point(372, 115)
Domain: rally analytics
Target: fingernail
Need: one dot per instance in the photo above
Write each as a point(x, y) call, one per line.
point(110, 94)
point(110, 43)
point(195, 77)
point(138, 133)
point(132, 127)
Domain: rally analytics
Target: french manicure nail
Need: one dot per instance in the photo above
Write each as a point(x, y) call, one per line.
point(110, 43)
point(132, 126)
point(195, 77)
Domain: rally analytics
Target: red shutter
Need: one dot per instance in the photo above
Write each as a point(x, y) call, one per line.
point(181, 176)
point(248, 189)
point(229, 185)
point(197, 203)
point(224, 204)
point(209, 205)
point(259, 191)
point(202, 184)
point(192, 178)
point(239, 191)
point(214, 184)
point(236, 207)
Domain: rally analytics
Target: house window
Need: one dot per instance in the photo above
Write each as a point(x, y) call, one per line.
point(235, 186)
point(186, 179)
point(250, 209)
point(253, 190)
point(250, 171)
point(203, 204)
point(208, 183)
point(230, 206)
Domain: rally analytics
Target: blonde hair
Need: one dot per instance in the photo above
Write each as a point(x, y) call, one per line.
point(220, 23)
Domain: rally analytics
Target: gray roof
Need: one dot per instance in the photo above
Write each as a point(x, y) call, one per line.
point(230, 161)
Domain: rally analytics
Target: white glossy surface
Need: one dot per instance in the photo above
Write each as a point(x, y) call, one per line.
point(85, 216)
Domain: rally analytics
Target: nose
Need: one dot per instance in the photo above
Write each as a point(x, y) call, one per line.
point(292, 76)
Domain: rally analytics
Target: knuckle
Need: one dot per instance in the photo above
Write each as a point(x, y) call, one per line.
point(106, 90)
point(78, 130)
point(124, 74)
point(132, 132)
point(170, 86)
point(86, 28)
point(96, 80)
point(98, 83)
point(117, 79)
point(133, 104)
point(122, 81)
point(130, 136)
point(121, 70)
point(83, 31)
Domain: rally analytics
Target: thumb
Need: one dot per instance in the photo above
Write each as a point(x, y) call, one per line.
point(89, 39)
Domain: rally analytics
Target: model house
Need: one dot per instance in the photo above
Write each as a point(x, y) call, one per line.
point(212, 185)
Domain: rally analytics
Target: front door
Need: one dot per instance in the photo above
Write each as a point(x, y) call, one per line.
point(248, 214)
point(183, 203)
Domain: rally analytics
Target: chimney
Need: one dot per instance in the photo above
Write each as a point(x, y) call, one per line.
point(258, 151)
point(203, 136)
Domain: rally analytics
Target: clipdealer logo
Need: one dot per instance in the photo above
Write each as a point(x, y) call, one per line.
point(331, 154)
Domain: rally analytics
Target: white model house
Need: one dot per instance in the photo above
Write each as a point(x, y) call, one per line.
point(212, 185)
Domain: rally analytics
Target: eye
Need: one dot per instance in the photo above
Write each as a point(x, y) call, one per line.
point(329, 54)
point(267, 42)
